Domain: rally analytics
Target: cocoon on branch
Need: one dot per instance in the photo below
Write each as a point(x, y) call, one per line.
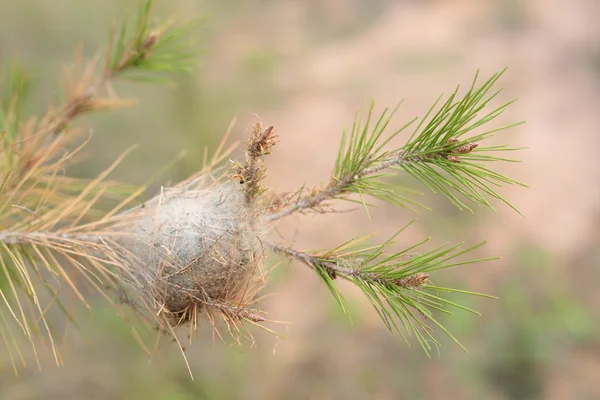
point(188, 249)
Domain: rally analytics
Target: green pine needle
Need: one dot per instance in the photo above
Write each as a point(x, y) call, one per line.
point(152, 49)
point(14, 85)
point(397, 283)
point(443, 152)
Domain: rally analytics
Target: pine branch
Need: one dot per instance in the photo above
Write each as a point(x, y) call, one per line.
point(396, 284)
point(34, 154)
point(438, 154)
point(56, 233)
point(41, 260)
point(197, 247)
point(142, 54)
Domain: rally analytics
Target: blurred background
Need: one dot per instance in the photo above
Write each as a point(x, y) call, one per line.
point(304, 66)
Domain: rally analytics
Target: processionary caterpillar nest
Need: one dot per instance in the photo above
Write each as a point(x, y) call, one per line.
point(194, 247)
point(198, 245)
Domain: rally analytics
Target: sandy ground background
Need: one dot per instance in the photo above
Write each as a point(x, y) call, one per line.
point(304, 66)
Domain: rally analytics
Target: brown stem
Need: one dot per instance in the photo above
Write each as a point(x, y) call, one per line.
point(337, 187)
point(12, 238)
point(333, 189)
point(254, 170)
point(334, 269)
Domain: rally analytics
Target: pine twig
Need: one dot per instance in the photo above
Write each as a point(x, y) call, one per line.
point(254, 171)
point(337, 187)
point(335, 270)
point(396, 284)
point(139, 52)
point(438, 154)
